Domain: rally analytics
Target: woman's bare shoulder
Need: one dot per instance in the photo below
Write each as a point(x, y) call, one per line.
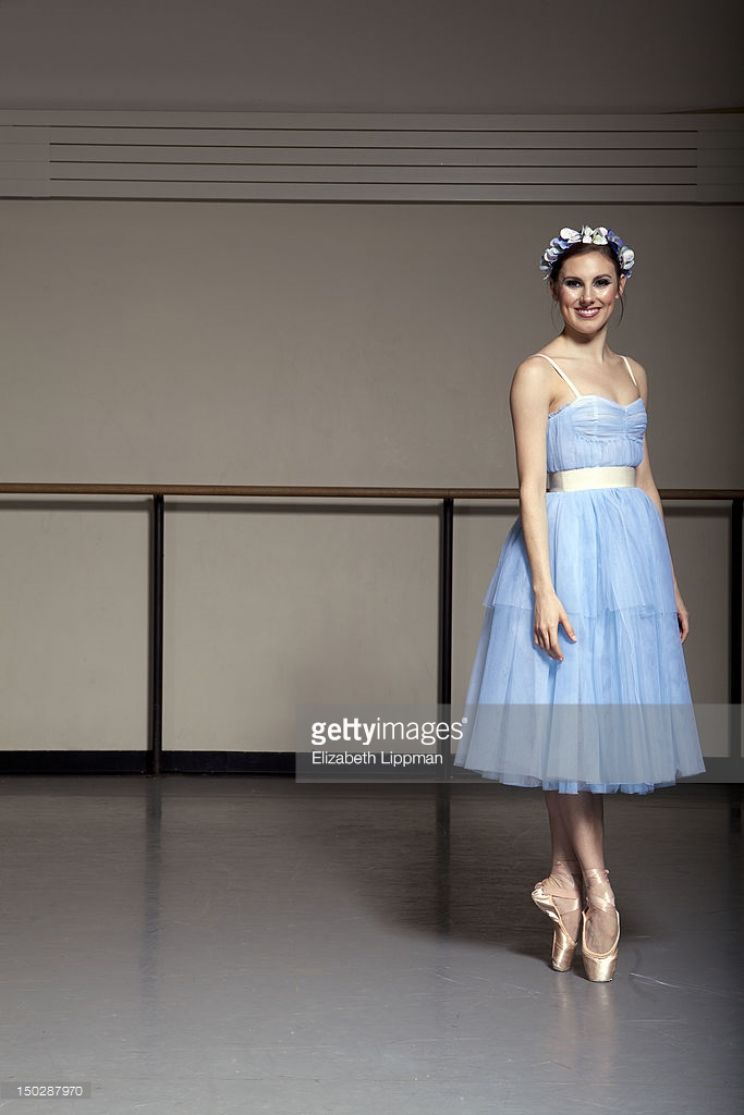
point(532, 381)
point(533, 367)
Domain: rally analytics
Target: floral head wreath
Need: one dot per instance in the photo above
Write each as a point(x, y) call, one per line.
point(600, 235)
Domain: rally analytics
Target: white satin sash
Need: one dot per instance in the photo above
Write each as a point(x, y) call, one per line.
point(597, 476)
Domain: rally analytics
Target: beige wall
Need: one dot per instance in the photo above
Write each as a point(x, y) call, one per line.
point(356, 56)
point(309, 343)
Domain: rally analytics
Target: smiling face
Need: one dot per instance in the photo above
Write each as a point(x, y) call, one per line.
point(586, 291)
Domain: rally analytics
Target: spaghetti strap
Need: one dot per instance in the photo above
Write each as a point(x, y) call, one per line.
point(560, 373)
point(627, 365)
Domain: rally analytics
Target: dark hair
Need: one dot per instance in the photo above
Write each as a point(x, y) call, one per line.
point(582, 249)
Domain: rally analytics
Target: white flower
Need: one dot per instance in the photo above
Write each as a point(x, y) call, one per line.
point(627, 258)
point(591, 235)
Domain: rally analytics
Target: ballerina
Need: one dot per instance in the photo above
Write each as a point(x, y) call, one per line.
point(604, 705)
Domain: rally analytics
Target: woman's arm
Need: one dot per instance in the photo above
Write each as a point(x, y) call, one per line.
point(645, 480)
point(529, 399)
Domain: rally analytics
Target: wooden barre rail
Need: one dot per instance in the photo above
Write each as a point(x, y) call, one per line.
point(313, 491)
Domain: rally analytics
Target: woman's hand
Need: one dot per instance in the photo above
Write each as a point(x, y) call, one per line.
point(549, 612)
point(683, 616)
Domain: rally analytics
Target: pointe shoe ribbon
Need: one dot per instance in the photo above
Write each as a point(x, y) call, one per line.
point(599, 966)
point(563, 943)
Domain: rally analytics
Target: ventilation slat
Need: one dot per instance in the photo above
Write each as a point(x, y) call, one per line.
point(464, 137)
point(61, 153)
point(308, 191)
point(373, 175)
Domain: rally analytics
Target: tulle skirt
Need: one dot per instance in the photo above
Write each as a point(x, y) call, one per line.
point(616, 714)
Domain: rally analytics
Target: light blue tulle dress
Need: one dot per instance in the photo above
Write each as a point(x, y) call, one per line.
point(616, 714)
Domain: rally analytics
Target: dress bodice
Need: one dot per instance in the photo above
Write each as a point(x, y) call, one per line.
point(593, 430)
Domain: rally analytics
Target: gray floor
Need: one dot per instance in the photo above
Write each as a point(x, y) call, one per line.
point(249, 944)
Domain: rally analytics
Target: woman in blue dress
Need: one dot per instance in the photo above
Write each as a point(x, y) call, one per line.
point(579, 684)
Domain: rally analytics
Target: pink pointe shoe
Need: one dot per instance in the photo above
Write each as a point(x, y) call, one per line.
point(563, 943)
point(599, 966)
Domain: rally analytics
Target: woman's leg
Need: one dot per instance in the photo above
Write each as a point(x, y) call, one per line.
point(582, 817)
point(560, 840)
point(565, 868)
